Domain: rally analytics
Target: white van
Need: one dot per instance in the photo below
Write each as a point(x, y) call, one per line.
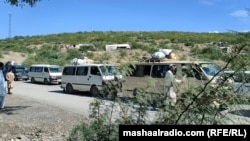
point(88, 77)
point(45, 73)
point(117, 47)
point(241, 84)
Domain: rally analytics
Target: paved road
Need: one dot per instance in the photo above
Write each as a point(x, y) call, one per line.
point(53, 95)
point(79, 103)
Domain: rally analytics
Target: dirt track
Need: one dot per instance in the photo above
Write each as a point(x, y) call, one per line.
point(26, 120)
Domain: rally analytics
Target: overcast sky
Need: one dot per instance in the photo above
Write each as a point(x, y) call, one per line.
point(69, 16)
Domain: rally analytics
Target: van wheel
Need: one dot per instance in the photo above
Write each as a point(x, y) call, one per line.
point(32, 80)
point(46, 82)
point(94, 92)
point(69, 89)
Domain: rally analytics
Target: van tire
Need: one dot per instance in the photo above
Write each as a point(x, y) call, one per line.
point(69, 89)
point(46, 82)
point(32, 80)
point(94, 92)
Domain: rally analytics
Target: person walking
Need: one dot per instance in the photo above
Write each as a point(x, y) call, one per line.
point(3, 87)
point(171, 84)
point(10, 77)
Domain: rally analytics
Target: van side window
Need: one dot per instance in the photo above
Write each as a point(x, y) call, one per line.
point(46, 69)
point(82, 71)
point(32, 69)
point(69, 71)
point(187, 70)
point(142, 70)
point(38, 69)
point(94, 70)
point(197, 72)
point(159, 71)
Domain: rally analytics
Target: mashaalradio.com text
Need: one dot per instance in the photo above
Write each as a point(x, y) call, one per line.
point(173, 132)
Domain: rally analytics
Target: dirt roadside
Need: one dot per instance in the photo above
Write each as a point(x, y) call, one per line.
point(26, 120)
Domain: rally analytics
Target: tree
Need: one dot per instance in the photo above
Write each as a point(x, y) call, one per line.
point(22, 2)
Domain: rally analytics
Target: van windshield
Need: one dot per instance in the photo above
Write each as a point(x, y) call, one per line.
point(210, 68)
point(109, 70)
point(19, 68)
point(55, 69)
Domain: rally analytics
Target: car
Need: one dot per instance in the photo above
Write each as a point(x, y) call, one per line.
point(19, 71)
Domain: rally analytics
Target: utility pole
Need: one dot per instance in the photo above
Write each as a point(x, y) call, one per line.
point(9, 25)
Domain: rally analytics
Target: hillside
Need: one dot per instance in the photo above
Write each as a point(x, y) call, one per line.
point(17, 57)
point(57, 48)
point(118, 56)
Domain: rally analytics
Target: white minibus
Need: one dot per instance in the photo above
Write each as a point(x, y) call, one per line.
point(88, 77)
point(45, 73)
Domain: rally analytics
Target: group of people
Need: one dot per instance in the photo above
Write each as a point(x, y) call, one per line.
point(6, 81)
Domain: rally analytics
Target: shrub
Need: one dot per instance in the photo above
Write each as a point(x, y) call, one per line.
point(196, 105)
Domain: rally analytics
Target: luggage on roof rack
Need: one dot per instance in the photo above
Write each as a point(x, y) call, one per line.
point(149, 60)
point(79, 61)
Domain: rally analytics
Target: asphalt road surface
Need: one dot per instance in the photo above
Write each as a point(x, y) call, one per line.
point(54, 95)
point(79, 103)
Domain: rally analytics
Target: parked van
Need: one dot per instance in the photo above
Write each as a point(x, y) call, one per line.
point(19, 70)
point(150, 75)
point(117, 47)
point(241, 84)
point(45, 73)
point(88, 77)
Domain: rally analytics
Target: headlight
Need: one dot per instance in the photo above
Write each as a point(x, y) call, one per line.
point(53, 77)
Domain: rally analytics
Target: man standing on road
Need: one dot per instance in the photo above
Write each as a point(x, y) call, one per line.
point(10, 77)
point(3, 88)
point(170, 77)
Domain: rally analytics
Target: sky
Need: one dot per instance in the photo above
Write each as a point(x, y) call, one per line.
point(70, 16)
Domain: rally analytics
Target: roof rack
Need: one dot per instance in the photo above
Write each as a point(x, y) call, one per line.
point(154, 60)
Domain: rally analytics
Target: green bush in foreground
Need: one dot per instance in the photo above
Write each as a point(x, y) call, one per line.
point(196, 105)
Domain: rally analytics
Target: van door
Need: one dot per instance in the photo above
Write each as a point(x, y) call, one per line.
point(159, 72)
point(45, 76)
point(81, 78)
point(95, 77)
point(39, 74)
point(139, 77)
point(69, 78)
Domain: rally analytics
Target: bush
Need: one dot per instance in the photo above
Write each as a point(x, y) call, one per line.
point(196, 105)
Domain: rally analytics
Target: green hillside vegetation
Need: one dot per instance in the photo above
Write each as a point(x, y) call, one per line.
point(52, 48)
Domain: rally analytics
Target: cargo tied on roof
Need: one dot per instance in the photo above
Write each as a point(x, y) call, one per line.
point(79, 61)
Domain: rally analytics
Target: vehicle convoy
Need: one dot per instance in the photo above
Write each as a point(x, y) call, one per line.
point(88, 77)
point(45, 73)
